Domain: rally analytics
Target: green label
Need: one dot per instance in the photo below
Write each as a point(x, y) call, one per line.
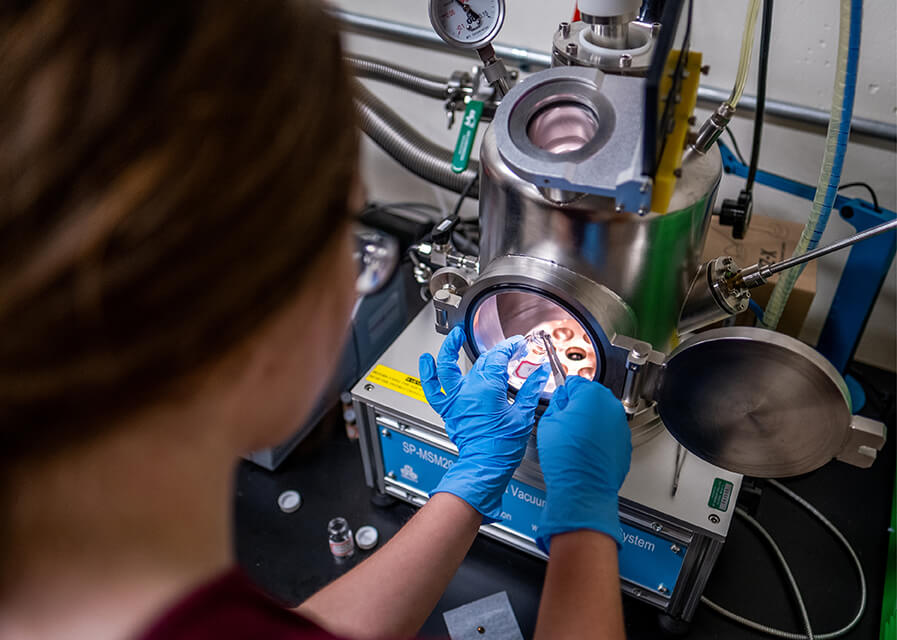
point(466, 136)
point(720, 494)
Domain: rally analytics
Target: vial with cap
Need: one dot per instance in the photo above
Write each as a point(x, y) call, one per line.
point(342, 545)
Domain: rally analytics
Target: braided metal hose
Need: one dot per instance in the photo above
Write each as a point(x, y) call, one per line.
point(407, 146)
point(425, 84)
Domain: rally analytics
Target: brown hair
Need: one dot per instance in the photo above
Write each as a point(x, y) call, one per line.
point(167, 172)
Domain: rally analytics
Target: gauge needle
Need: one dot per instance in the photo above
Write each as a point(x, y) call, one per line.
point(471, 14)
point(557, 371)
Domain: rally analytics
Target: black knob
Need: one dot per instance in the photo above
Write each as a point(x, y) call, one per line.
point(737, 214)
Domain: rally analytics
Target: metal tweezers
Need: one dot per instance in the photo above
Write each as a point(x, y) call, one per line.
point(557, 371)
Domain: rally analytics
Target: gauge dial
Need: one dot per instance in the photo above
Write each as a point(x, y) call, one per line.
point(469, 24)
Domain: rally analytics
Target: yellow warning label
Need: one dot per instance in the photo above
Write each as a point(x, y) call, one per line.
point(397, 381)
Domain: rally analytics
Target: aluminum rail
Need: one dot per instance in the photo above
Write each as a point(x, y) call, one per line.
point(529, 59)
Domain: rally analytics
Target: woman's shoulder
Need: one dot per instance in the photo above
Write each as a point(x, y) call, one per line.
point(230, 606)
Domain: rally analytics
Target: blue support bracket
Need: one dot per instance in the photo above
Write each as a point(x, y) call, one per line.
point(861, 280)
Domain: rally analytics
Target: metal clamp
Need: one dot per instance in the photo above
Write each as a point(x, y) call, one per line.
point(641, 361)
point(865, 440)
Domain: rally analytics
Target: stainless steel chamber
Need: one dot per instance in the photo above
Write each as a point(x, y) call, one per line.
point(552, 252)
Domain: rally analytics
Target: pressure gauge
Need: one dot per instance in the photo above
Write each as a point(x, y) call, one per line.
point(469, 24)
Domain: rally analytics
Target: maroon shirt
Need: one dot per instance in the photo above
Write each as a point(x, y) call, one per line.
point(230, 607)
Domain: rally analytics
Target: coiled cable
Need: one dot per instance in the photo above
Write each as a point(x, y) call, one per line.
point(808, 635)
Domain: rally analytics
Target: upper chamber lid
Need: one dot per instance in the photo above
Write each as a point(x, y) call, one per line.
point(511, 312)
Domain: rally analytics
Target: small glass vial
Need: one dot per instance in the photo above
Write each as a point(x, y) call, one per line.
point(342, 544)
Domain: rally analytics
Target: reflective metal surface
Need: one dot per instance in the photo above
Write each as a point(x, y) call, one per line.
point(516, 294)
point(648, 261)
point(709, 300)
point(755, 402)
point(631, 59)
point(608, 163)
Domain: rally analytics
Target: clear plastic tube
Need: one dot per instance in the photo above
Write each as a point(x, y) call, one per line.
point(744, 61)
point(833, 160)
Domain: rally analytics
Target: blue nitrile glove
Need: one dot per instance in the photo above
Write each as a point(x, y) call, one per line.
point(584, 451)
point(490, 432)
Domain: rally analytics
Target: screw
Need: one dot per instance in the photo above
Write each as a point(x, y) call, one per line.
point(637, 593)
point(705, 69)
point(619, 208)
point(571, 48)
point(677, 172)
point(369, 387)
point(692, 120)
point(625, 61)
point(564, 28)
point(391, 474)
point(675, 548)
point(713, 518)
point(442, 295)
point(643, 188)
point(657, 526)
point(481, 629)
point(642, 211)
point(384, 433)
point(662, 589)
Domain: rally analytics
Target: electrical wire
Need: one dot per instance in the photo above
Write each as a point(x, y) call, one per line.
point(744, 60)
point(848, 185)
point(735, 146)
point(464, 193)
point(763, 66)
point(808, 635)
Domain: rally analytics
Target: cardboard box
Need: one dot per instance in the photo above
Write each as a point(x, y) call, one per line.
point(768, 240)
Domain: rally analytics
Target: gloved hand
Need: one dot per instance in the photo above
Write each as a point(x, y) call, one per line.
point(584, 451)
point(490, 432)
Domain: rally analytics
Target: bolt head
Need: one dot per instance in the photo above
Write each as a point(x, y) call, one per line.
point(564, 28)
point(713, 518)
point(625, 61)
point(571, 48)
point(657, 526)
point(369, 387)
point(675, 548)
point(705, 69)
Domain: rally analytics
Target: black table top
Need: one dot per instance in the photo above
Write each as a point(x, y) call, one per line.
point(288, 554)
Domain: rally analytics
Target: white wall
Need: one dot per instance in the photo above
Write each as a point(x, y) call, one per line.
point(801, 70)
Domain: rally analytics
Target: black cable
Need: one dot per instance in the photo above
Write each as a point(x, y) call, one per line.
point(735, 147)
point(765, 35)
point(464, 193)
point(848, 185)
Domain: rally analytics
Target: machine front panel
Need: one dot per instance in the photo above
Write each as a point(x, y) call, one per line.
point(647, 560)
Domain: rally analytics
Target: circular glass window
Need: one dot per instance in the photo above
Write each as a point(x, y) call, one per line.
point(509, 313)
point(562, 127)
